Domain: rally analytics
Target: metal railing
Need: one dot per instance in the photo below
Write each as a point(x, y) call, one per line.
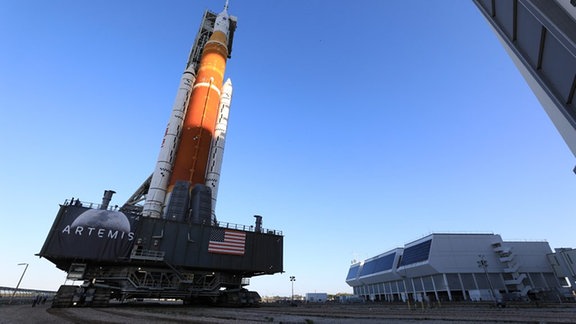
point(247, 228)
point(78, 203)
point(142, 254)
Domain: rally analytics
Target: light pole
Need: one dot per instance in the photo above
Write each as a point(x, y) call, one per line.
point(482, 263)
point(19, 281)
point(292, 279)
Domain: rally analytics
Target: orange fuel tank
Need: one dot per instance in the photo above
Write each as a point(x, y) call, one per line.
point(192, 157)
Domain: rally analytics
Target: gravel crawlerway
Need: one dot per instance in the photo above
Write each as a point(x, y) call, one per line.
point(327, 313)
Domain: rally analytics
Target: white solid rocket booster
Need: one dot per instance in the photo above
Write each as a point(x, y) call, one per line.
point(218, 142)
point(164, 165)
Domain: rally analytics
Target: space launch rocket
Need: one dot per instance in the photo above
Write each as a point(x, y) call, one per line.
point(193, 144)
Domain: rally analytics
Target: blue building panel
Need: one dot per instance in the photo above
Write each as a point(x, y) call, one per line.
point(353, 272)
point(416, 253)
point(378, 265)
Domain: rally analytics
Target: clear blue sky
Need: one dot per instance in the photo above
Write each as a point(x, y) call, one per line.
point(356, 126)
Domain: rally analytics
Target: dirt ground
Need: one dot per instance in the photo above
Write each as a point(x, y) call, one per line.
point(326, 313)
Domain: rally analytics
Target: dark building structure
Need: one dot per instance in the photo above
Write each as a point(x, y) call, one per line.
point(540, 37)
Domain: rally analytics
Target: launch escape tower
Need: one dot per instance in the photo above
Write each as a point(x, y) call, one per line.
point(165, 241)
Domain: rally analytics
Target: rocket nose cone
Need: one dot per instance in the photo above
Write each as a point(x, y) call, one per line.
point(222, 21)
point(224, 13)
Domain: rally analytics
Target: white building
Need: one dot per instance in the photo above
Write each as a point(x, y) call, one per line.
point(453, 267)
point(316, 297)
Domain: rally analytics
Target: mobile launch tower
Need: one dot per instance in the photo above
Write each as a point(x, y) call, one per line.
point(165, 241)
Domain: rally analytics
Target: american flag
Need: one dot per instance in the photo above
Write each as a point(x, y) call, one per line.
point(225, 241)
